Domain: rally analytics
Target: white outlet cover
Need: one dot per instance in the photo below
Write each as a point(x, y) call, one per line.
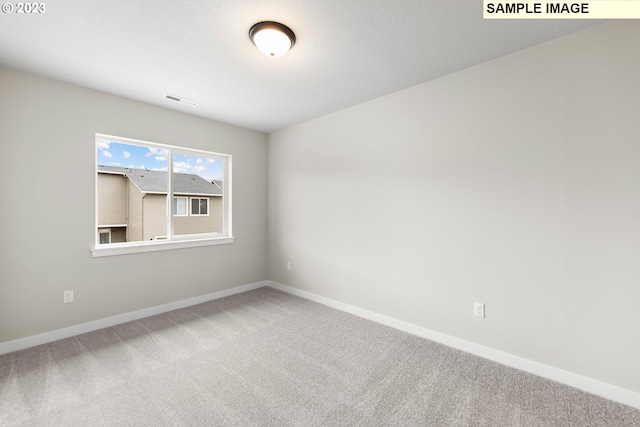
point(67, 297)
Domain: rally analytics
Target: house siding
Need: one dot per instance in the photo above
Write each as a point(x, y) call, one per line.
point(201, 224)
point(154, 216)
point(143, 216)
point(112, 199)
point(216, 207)
point(134, 229)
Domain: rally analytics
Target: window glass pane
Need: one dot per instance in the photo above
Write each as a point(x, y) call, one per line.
point(180, 206)
point(104, 237)
point(200, 178)
point(132, 189)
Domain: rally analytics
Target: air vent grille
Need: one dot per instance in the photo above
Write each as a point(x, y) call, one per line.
point(180, 100)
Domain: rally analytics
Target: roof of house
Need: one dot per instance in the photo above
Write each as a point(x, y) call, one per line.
point(149, 181)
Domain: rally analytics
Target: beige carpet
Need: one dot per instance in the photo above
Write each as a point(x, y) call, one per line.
point(266, 358)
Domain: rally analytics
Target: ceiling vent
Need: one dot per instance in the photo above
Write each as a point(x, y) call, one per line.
point(180, 100)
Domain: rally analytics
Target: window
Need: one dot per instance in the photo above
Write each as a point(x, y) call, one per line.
point(180, 206)
point(138, 182)
point(105, 236)
point(199, 206)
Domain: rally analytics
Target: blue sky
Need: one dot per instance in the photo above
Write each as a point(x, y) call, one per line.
point(152, 158)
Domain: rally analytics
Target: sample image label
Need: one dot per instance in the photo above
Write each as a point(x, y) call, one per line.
point(589, 9)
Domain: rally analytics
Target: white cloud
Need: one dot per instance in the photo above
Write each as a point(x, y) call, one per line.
point(199, 168)
point(107, 154)
point(161, 158)
point(153, 151)
point(126, 154)
point(102, 144)
point(181, 166)
point(211, 160)
point(199, 161)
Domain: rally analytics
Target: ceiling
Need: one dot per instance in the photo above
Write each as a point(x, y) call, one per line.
point(346, 52)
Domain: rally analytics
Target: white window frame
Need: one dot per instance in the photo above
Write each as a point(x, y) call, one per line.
point(191, 206)
point(172, 241)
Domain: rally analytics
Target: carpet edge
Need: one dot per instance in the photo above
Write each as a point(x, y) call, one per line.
point(589, 385)
point(94, 325)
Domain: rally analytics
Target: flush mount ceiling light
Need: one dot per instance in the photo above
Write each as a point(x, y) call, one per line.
point(272, 38)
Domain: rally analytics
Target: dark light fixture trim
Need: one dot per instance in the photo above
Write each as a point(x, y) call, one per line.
point(271, 25)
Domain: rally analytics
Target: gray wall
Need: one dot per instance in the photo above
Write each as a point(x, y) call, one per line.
point(47, 218)
point(515, 183)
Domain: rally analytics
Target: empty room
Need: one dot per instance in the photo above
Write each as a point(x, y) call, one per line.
point(319, 213)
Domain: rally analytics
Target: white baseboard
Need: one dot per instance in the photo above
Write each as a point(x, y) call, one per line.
point(22, 343)
point(589, 385)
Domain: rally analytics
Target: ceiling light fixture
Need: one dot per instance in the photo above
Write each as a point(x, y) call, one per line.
point(272, 38)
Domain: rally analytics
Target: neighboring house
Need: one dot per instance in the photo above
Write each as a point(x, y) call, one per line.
point(132, 204)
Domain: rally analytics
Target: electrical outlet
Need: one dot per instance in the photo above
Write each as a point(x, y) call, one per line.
point(67, 297)
point(288, 266)
point(478, 309)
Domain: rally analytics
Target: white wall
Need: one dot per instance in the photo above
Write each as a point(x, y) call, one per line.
point(515, 183)
point(47, 217)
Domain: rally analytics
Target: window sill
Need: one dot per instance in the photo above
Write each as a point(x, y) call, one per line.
point(134, 248)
